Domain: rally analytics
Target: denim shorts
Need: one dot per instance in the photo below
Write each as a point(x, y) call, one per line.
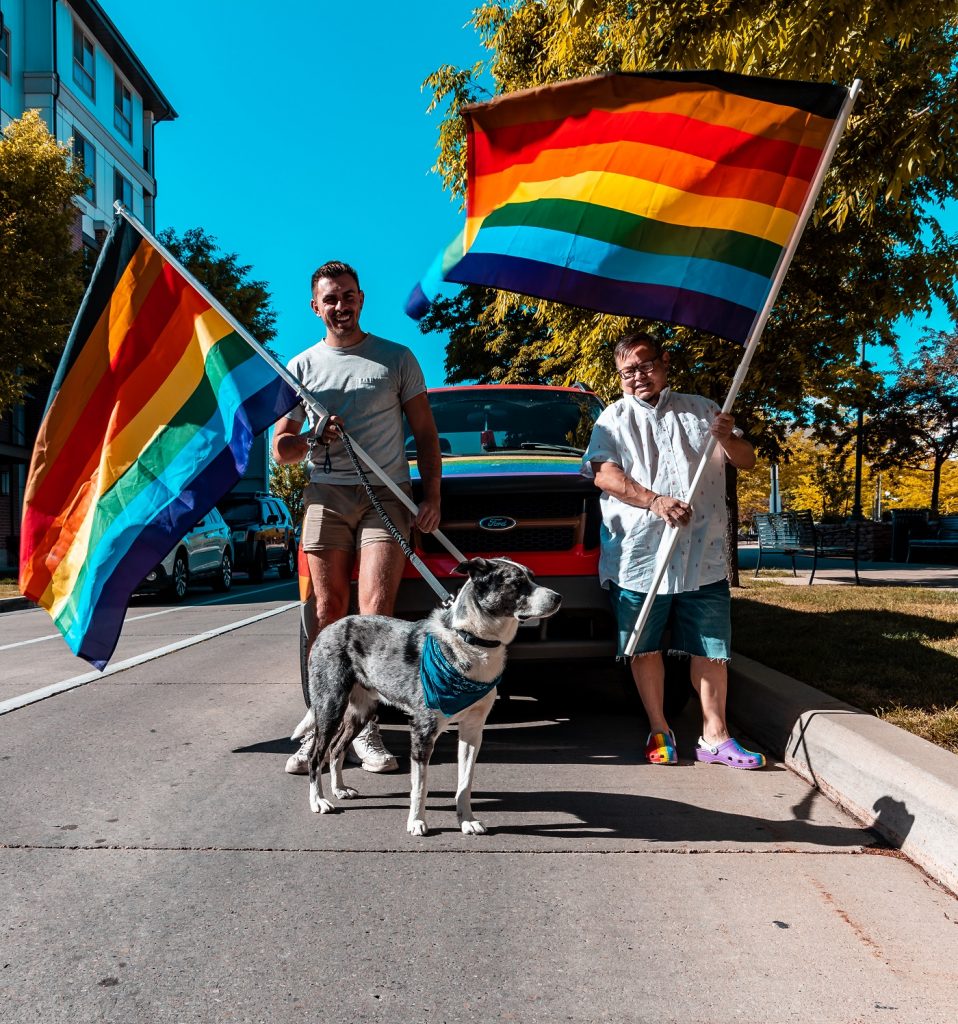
point(701, 622)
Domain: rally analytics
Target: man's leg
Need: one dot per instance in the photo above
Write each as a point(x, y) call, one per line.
point(380, 570)
point(329, 572)
point(648, 671)
point(710, 679)
point(647, 665)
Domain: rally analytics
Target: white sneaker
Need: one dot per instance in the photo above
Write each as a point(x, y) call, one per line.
point(298, 763)
point(367, 749)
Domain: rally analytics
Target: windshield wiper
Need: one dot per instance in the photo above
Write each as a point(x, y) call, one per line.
point(544, 446)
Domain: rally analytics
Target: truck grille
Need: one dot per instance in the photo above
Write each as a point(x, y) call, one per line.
point(517, 506)
point(474, 541)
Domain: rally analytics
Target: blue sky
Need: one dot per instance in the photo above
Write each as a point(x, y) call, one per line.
point(303, 136)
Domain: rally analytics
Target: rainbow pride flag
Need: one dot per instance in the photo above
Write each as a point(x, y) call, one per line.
point(669, 196)
point(150, 421)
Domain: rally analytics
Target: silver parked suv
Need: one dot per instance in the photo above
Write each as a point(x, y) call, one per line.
point(206, 552)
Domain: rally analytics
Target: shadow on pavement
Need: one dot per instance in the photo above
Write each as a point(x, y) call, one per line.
point(630, 816)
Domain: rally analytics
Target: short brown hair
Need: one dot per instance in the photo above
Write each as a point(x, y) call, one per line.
point(334, 268)
point(633, 339)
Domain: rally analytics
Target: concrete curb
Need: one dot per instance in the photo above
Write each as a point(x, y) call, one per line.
point(890, 780)
point(14, 604)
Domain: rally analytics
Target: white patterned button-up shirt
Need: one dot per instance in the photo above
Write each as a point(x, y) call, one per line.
point(659, 446)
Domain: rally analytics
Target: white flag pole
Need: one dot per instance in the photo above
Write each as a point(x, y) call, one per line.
point(667, 548)
point(297, 385)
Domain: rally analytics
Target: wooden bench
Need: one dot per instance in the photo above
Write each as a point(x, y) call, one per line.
point(944, 537)
point(795, 533)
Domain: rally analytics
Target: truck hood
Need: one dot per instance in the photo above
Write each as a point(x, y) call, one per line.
point(507, 465)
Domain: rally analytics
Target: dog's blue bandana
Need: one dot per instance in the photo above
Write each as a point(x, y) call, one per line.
point(446, 688)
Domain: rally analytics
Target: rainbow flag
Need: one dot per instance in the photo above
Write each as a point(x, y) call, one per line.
point(150, 421)
point(669, 196)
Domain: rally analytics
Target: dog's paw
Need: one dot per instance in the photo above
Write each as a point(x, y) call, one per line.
point(472, 828)
point(322, 806)
point(346, 793)
point(417, 827)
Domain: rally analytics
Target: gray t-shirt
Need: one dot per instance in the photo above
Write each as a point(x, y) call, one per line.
point(367, 385)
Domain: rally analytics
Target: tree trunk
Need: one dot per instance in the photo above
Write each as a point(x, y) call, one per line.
point(935, 486)
point(731, 532)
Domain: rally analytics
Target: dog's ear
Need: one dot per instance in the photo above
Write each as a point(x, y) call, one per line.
point(472, 567)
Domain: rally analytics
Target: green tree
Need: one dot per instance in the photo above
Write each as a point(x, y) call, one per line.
point(916, 423)
point(226, 279)
point(875, 249)
point(39, 268)
point(287, 482)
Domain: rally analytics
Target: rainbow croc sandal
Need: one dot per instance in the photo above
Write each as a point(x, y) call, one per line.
point(660, 748)
point(731, 752)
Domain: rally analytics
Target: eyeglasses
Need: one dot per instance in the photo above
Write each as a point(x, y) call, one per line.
point(638, 369)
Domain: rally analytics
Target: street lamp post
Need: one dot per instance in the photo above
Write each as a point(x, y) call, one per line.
point(860, 429)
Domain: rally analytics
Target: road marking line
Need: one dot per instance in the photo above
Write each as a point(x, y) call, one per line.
point(90, 677)
point(151, 615)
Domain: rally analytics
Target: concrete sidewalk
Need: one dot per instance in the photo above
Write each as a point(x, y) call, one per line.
point(841, 570)
point(902, 786)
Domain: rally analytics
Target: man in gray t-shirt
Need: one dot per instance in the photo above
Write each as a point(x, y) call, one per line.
point(367, 383)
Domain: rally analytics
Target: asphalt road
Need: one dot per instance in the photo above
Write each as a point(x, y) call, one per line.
point(157, 864)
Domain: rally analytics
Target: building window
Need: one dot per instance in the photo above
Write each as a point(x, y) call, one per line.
point(5, 53)
point(84, 61)
point(84, 157)
point(123, 109)
point(123, 190)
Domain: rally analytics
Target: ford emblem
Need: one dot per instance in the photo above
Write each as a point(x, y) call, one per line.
point(497, 523)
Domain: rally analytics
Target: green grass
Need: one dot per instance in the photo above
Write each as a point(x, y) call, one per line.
point(892, 651)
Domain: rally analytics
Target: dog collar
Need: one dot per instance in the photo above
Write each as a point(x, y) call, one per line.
point(477, 641)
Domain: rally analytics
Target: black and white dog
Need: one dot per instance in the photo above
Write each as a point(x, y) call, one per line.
point(440, 671)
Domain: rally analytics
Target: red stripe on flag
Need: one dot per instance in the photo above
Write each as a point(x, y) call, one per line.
point(677, 133)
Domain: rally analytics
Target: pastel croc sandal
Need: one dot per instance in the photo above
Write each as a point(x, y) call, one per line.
point(660, 748)
point(731, 752)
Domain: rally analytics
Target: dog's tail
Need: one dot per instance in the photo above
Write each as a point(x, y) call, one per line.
point(308, 722)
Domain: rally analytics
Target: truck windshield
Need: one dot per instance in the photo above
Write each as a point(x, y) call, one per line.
point(477, 421)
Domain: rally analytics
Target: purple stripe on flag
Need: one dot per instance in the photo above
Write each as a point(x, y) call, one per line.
point(623, 298)
point(417, 305)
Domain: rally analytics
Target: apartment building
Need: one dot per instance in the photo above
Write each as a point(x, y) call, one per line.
point(68, 60)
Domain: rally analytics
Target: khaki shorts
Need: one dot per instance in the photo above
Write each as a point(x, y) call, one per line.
point(342, 516)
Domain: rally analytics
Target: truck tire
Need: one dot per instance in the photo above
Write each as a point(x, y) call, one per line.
point(257, 569)
point(288, 565)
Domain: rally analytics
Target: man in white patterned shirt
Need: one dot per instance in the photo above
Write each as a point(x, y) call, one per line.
point(643, 454)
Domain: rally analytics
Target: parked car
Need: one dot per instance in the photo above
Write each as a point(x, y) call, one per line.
point(262, 533)
point(206, 553)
